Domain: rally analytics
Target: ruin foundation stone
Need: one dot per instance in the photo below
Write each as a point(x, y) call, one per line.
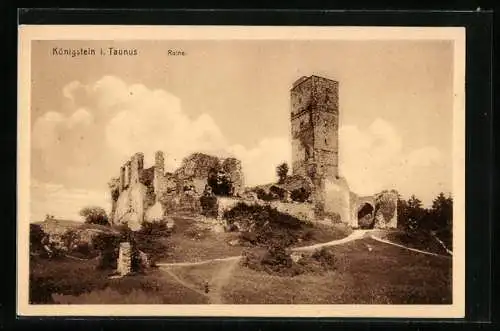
point(124, 265)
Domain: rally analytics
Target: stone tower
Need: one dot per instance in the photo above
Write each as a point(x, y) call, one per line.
point(315, 118)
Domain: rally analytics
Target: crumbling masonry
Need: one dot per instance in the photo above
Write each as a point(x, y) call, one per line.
point(315, 154)
point(150, 194)
point(146, 195)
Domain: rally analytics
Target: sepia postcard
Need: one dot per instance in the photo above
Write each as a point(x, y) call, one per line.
point(241, 171)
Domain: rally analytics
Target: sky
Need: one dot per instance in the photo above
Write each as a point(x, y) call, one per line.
point(232, 98)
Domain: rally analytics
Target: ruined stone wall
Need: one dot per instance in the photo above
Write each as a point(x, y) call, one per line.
point(197, 165)
point(124, 263)
point(314, 119)
point(337, 199)
point(302, 127)
point(159, 175)
point(302, 211)
point(326, 144)
point(386, 205)
point(325, 114)
point(151, 194)
point(130, 205)
point(232, 167)
point(302, 144)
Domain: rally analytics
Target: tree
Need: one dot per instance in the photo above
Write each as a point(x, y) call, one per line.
point(442, 208)
point(282, 172)
point(36, 236)
point(414, 214)
point(94, 215)
point(442, 216)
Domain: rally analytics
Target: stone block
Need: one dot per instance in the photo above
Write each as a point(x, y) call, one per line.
point(124, 265)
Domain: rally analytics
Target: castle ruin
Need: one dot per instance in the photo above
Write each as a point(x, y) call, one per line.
point(149, 194)
point(314, 117)
point(144, 195)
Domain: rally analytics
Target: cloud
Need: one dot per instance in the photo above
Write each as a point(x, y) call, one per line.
point(373, 159)
point(259, 163)
point(109, 120)
point(57, 200)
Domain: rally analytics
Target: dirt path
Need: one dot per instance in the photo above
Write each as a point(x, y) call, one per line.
point(222, 276)
point(187, 264)
point(182, 282)
point(220, 279)
point(408, 248)
point(355, 235)
point(442, 244)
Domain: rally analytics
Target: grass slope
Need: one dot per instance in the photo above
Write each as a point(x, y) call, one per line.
point(68, 281)
point(384, 275)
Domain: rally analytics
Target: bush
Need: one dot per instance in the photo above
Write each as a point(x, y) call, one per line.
point(40, 290)
point(324, 257)
point(209, 206)
point(269, 226)
point(94, 215)
point(36, 237)
point(277, 192)
point(277, 258)
point(108, 246)
point(249, 237)
point(265, 196)
point(84, 250)
point(275, 261)
point(300, 195)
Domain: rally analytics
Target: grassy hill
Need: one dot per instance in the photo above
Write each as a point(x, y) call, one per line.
point(384, 275)
point(364, 272)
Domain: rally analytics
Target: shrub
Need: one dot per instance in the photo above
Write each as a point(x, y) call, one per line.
point(69, 239)
point(94, 215)
point(36, 237)
point(83, 249)
point(277, 192)
point(270, 227)
point(40, 290)
point(300, 195)
point(209, 205)
point(265, 196)
point(248, 237)
point(324, 257)
point(150, 239)
point(282, 172)
point(108, 246)
point(274, 261)
point(277, 258)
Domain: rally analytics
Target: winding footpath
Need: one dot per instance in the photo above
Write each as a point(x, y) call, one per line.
point(222, 276)
point(408, 248)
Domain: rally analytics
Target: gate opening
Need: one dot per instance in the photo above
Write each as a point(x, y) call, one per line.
point(366, 218)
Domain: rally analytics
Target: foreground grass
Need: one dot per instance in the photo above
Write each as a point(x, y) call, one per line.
point(190, 243)
point(420, 240)
point(384, 275)
point(68, 281)
point(199, 275)
point(322, 233)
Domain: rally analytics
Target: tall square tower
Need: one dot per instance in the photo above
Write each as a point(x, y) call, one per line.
point(315, 118)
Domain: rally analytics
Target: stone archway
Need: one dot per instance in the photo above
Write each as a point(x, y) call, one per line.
point(366, 216)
